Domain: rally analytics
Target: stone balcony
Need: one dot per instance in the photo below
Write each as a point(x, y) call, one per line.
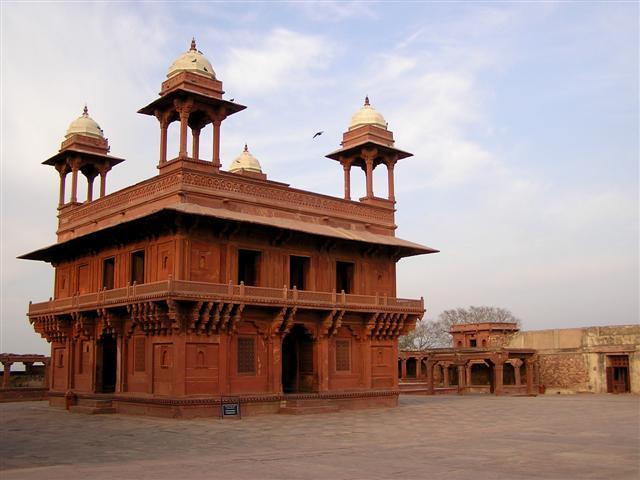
point(219, 292)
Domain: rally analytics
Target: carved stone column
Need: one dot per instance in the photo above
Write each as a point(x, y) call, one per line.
point(418, 368)
point(216, 144)
point(7, 374)
point(164, 126)
point(90, 177)
point(368, 159)
point(429, 376)
point(74, 181)
point(103, 179)
point(403, 369)
point(529, 364)
point(390, 180)
point(184, 110)
point(498, 376)
point(62, 170)
point(346, 166)
point(195, 134)
point(461, 378)
point(516, 364)
point(445, 375)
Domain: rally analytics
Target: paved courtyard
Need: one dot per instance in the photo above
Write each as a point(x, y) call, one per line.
point(479, 437)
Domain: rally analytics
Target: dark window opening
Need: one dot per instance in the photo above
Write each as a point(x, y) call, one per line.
point(137, 267)
point(108, 270)
point(248, 266)
point(246, 355)
point(343, 355)
point(106, 365)
point(344, 277)
point(473, 343)
point(298, 272)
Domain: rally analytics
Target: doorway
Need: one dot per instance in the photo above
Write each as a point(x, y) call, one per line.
point(106, 365)
point(617, 374)
point(297, 361)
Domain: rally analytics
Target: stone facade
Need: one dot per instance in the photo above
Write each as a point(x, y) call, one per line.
point(201, 283)
point(577, 360)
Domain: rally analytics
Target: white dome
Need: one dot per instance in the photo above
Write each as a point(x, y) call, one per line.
point(84, 125)
point(367, 115)
point(192, 61)
point(245, 161)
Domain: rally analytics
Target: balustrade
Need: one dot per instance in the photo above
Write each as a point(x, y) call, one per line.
point(236, 293)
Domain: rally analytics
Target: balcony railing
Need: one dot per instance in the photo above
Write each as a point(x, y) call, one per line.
point(182, 289)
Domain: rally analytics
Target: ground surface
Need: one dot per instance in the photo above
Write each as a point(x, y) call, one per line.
point(452, 437)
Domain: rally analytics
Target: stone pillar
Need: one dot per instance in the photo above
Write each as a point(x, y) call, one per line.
point(445, 375)
point(529, 363)
point(418, 368)
point(498, 376)
point(390, 187)
point(346, 166)
point(63, 180)
point(216, 145)
point(461, 378)
point(90, 177)
point(516, 364)
point(429, 376)
point(195, 134)
point(47, 373)
point(164, 126)
point(74, 182)
point(184, 124)
point(403, 369)
point(103, 182)
point(369, 174)
point(7, 374)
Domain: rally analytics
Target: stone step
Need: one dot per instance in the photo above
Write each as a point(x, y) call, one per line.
point(308, 410)
point(92, 402)
point(308, 406)
point(91, 410)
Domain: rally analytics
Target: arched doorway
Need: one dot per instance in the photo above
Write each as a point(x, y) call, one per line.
point(297, 361)
point(106, 364)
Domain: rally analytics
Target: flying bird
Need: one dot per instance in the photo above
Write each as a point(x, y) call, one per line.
point(318, 134)
point(231, 99)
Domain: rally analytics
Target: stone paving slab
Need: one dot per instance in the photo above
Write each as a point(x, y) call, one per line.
point(452, 437)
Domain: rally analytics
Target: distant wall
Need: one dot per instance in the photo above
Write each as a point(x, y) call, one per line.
point(574, 360)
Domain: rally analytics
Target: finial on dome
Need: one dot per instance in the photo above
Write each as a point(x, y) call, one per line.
point(366, 100)
point(85, 111)
point(246, 149)
point(193, 44)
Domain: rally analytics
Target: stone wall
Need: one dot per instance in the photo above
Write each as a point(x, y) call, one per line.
point(574, 360)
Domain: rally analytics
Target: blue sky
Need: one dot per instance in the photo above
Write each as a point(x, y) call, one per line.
point(523, 118)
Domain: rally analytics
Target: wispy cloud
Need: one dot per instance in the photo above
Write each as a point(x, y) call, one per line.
point(281, 60)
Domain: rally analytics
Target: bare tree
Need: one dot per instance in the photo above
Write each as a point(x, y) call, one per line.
point(435, 333)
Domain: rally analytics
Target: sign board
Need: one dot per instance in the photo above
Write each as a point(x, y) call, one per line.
point(230, 407)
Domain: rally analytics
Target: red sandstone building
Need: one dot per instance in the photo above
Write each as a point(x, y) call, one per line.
point(481, 361)
point(202, 282)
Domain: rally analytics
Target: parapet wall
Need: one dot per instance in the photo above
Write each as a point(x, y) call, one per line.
point(574, 360)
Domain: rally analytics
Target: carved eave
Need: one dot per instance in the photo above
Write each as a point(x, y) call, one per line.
point(356, 150)
point(93, 157)
point(225, 107)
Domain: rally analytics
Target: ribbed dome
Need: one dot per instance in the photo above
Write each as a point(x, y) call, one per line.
point(367, 115)
point(245, 161)
point(192, 61)
point(84, 125)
